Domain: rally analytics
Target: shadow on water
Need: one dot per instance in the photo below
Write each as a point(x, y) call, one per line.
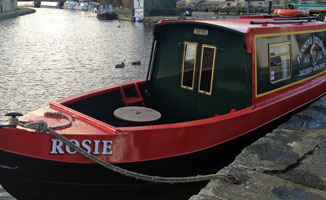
point(223, 155)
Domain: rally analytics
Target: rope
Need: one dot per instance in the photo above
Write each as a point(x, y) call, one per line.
point(41, 126)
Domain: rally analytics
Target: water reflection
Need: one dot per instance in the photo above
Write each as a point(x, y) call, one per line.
point(56, 53)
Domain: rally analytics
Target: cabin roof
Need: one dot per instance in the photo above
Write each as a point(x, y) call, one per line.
point(243, 25)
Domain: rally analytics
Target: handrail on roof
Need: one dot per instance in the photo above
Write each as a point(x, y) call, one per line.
point(297, 18)
point(279, 21)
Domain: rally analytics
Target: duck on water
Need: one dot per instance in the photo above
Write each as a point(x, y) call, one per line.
point(122, 65)
point(210, 80)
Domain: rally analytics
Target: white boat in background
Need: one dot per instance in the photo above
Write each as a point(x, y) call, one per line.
point(82, 5)
point(92, 7)
point(104, 7)
point(73, 5)
point(70, 4)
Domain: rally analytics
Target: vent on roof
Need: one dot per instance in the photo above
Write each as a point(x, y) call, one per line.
point(199, 31)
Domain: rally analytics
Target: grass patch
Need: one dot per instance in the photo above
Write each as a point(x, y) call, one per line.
point(123, 12)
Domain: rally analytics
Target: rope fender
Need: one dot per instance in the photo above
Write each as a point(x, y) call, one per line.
point(42, 127)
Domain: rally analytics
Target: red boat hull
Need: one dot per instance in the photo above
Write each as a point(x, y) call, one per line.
point(143, 143)
point(31, 178)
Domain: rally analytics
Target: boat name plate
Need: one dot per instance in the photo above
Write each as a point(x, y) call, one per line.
point(95, 147)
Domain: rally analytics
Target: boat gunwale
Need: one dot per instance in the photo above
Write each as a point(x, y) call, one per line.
point(60, 106)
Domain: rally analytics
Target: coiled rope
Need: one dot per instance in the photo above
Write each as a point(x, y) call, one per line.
point(42, 127)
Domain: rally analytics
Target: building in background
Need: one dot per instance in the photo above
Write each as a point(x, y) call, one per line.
point(138, 10)
point(241, 3)
point(143, 8)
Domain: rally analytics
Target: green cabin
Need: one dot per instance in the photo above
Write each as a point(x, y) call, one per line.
point(197, 68)
point(205, 68)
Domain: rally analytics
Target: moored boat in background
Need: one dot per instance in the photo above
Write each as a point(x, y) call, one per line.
point(70, 4)
point(105, 12)
point(106, 15)
point(82, 5)
point(211, 81)
point(317, 9)
point(76, 5)
point(37, 3)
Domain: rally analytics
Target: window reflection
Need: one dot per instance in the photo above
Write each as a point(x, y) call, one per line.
point(189, 63)
point(207, 69)
point(279, 62)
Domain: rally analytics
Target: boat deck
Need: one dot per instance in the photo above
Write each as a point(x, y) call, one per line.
point(78, 126)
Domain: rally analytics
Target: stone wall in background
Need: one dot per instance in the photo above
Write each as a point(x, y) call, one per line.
point(8, 5)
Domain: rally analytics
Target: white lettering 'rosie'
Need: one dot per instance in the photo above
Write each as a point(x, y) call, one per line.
point(95, 147)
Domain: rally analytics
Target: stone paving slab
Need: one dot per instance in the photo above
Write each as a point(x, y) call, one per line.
point(279, 150)
point(311, 169)
point(288, 163)
point(257, 186)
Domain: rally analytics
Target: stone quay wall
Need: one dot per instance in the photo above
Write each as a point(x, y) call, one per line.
point(288, 163)
point(8, 5)
point(15, 13)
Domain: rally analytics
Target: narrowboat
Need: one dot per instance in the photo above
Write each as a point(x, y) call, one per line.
point(208, 82)
point(105, 12)
point(69, 4)
point(320, 5)
point(106, 15)
point(317, 9)
point(37, 3)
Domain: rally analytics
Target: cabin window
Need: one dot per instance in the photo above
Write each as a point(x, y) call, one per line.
point(189, 64)
point(279, 62)
point(207, 69)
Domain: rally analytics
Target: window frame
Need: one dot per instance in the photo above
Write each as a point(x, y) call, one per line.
point(201, 68)
point(282, 54)
point(183, 66)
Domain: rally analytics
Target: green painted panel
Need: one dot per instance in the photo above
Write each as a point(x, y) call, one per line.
point(232, 74)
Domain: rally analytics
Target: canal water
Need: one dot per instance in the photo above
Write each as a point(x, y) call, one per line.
point(55, 53)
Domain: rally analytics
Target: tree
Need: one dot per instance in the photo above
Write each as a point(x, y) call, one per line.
point(117, 3)
point(127, 3)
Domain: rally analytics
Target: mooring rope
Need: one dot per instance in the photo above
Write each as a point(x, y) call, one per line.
point(41, 126)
